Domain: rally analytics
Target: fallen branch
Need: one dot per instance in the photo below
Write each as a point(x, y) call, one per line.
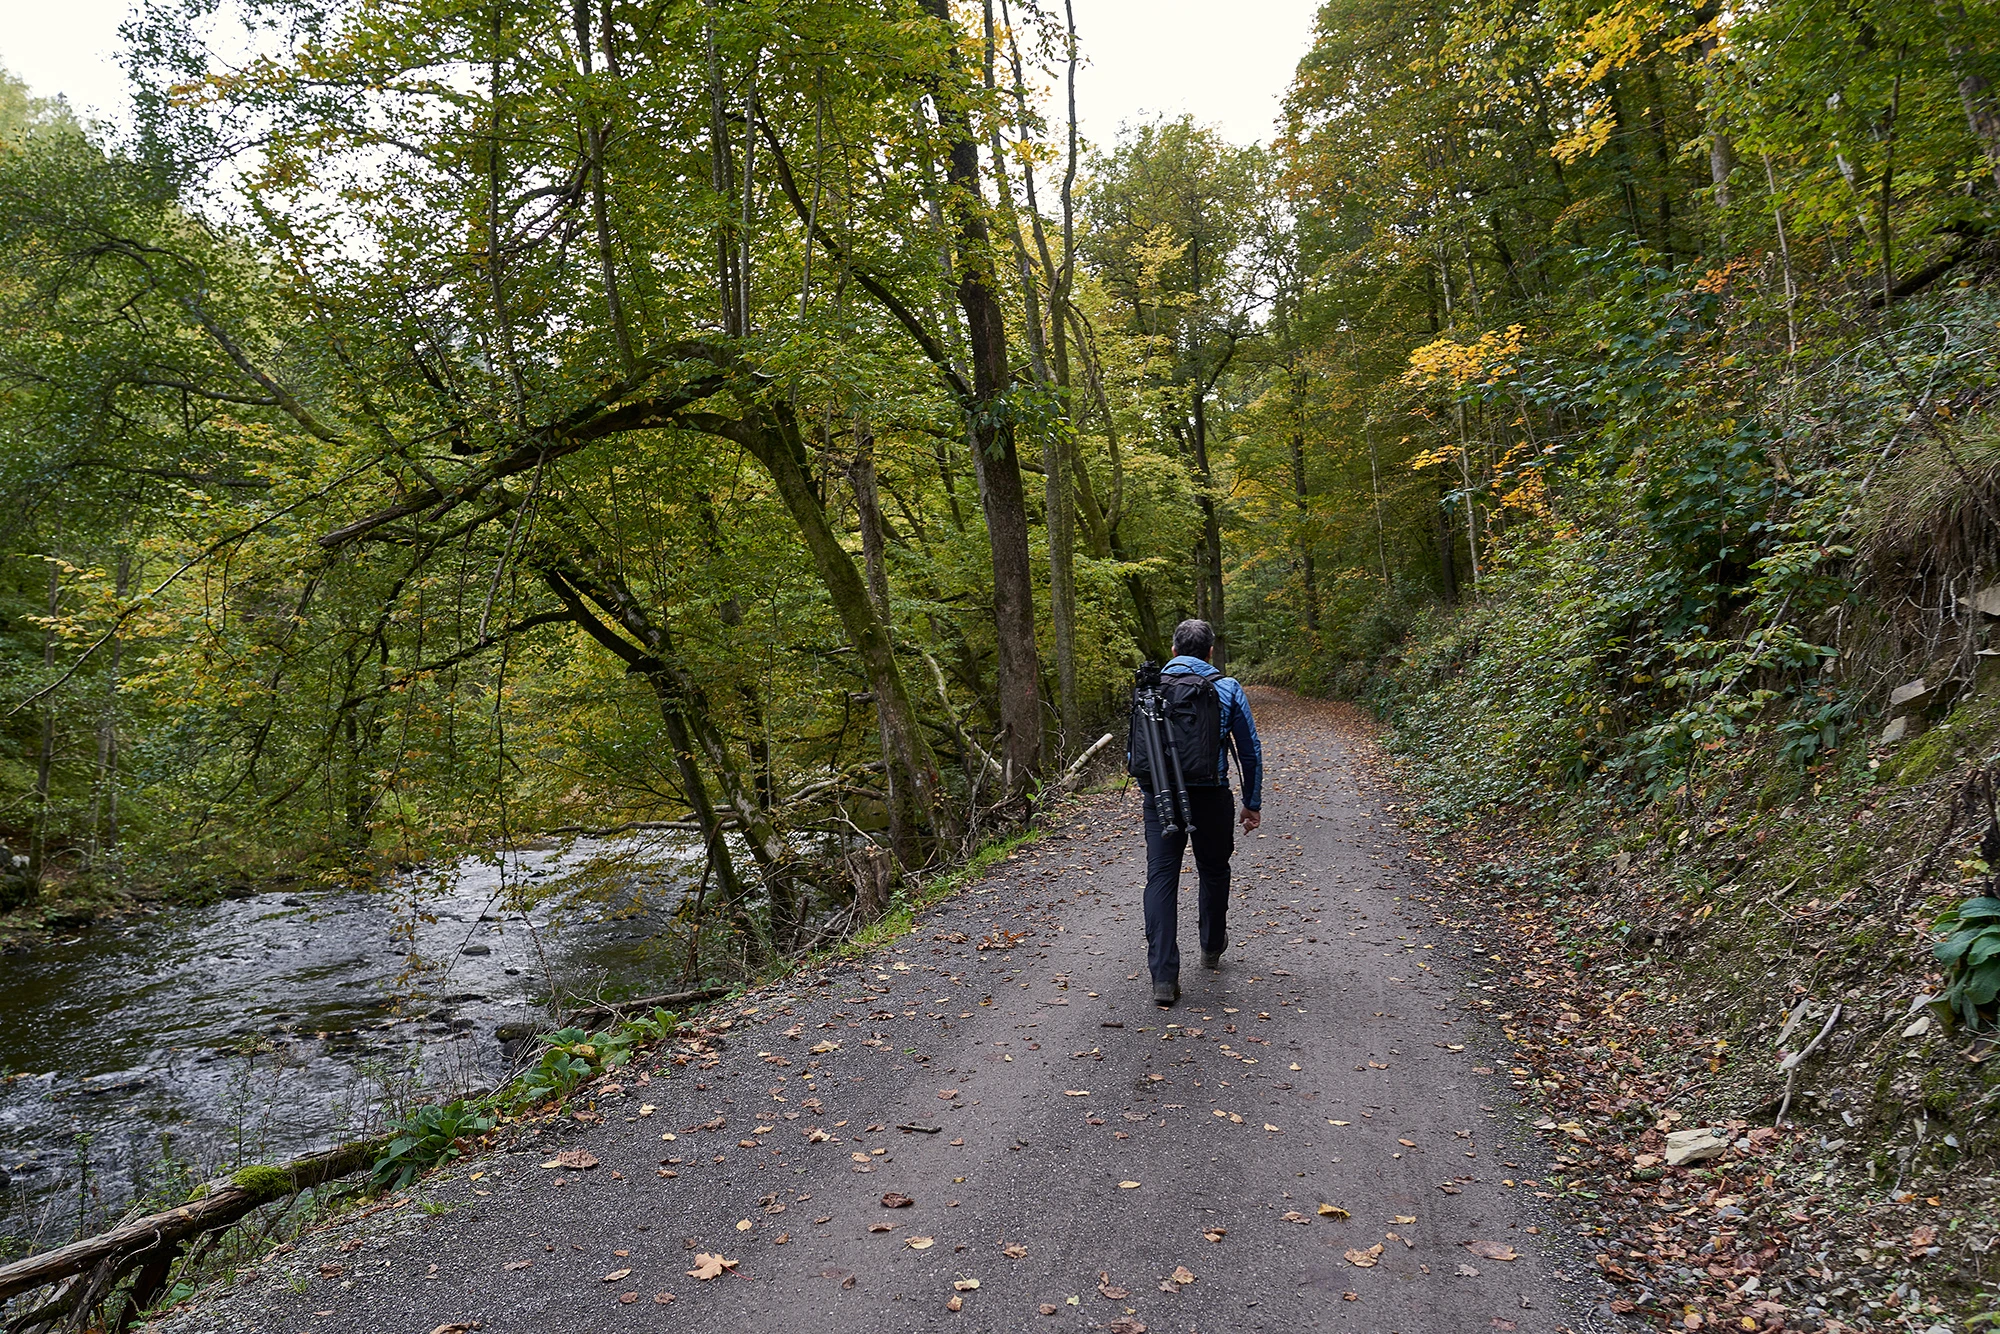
point(1792, 1062)
point(1075, 769)
point(599, 1013)
point(226, 1204)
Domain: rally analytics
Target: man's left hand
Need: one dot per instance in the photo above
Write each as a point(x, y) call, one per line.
point(1251, 819)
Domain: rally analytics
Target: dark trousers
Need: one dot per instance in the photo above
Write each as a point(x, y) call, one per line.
point(1214, 838)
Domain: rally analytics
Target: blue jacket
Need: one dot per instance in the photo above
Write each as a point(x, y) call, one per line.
point(1236, 723)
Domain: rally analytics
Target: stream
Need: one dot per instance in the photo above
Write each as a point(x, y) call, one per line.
point(165, 1046)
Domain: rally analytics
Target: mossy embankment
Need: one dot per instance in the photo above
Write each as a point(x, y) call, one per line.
point(1748, 936)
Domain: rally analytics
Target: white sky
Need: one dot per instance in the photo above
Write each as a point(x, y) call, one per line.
point(1227, 63)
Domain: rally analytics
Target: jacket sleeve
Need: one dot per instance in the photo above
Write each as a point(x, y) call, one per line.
point(1249, 750)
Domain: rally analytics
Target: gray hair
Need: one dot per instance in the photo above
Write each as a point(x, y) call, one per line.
point(1194, 639)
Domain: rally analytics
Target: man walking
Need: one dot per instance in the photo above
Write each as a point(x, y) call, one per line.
point(1209, 812)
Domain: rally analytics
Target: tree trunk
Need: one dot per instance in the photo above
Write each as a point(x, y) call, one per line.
point(1302, 500)
point(996, 460)
point(1975, 94)
point(912, 769)
point(45, 757)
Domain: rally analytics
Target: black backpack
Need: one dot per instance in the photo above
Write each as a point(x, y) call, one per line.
point(1193, 711)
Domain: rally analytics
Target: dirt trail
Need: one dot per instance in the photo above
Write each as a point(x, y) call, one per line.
point(1326, 1064)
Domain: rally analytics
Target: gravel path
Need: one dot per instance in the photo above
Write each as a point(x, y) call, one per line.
point(1322, 1100)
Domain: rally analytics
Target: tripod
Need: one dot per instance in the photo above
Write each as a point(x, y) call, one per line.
point(1163, 759)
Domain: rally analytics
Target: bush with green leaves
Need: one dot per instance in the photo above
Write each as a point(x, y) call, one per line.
point(430, 1135)
point(1970, 953)
point(570, 1055)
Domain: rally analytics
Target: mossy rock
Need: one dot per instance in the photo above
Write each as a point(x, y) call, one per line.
point(262, 1180)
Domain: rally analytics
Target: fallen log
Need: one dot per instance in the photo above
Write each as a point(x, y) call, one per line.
point(597, 1014)
point(226, 1203)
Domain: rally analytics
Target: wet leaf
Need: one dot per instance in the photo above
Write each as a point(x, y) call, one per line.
point(575, 1160)
point(1492, 1250)
point(894, 1200)
point(1112, 1292)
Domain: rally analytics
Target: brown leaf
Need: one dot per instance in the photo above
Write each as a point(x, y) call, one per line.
point(1293, 1216)
point(881, 1227)
point(1126, 1325)
point(1015, 1252)
point(1365, 1259)
point(708, 1266)
point(627, 1298)
point(1182, 1274)
point(1333, 1211)
point(896, 1200)
point(614, 1275)
point(1112, 1292)
point(576, 1160)
point(954, 1303)
point(1467, 1271)
point(519, 1264)
point(920, 1243)
point(1492, 1250)
point(1048, 1308)
point(1215, 1233)
point(458, 1327)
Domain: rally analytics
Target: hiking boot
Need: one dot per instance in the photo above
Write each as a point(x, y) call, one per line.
point(1166, 993)
point(1211, 960)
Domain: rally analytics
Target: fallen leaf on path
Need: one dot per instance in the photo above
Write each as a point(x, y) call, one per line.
point(1126, 1325)
point(744, 1225)
point(1491, 1250)
point(965, 1284)
point(576, 1160)
point(519, 1264)
point(1467, 1271)
point(1015, 1252)
point(1215, 1233)
point(1273, 1129)
point(847, 1282)
point(615, 1275)
point(1364, 1259)
point(1350, 1296)
point(1112, 1292)
point(647, 1109)
point(1128, 1185)
point(954, 1303)
point(920, 1243)
point(708, 1266)
point(1330, 1121)
point(1076, 1093)
point(1333, 1211)
point(894, 1200)
point(1293, 1216)
point(627, 1298)
point(881, 1227)
point(1404, 1219)
point(822, 1048)
point(458, 1327)
point(1048, 1308)
point(662, 1298)
point(1182, 1274)
point(1407, 1143)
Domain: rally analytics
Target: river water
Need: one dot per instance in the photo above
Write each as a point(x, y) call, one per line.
point(254, 1030)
